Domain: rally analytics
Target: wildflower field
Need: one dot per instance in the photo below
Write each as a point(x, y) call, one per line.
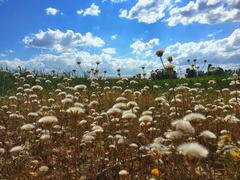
point(65, 127)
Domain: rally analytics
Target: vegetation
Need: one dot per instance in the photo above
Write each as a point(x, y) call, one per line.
point(8, 81)
point(60, 127)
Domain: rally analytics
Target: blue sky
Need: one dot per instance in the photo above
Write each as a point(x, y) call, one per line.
point(54, 34)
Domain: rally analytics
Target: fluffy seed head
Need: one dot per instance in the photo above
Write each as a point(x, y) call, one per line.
point(16, 149)
point(193, 150)
point(75, 110)
point(208, 134)
point(194, 117)
point(27, 127)
point(48, 120)
point(129, 115)
point(145, 118)
point(183, 126)
point(123, 173)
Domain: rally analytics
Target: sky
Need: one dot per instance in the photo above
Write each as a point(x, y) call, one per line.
point(54, 34)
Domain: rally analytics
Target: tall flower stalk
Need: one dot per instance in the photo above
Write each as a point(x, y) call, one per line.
point(159, 53)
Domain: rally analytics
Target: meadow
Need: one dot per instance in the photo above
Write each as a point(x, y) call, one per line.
point(65, 127)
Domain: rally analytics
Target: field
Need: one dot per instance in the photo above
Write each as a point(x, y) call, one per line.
point(65, 127)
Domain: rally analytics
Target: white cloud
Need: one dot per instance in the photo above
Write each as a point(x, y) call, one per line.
point(109, 51)
point(221, 51)
point(139, 46)
point(211, 35)
point(172, 12)
point(132, 66)
point(58, 40)
point(66, 61)
point(146, 11)
point(205, 12)
point(79, 12)
point(114, 37)
point(90, 40)
point(123, 13)
point(62, 62)
point(52, 11)
point(93, 10)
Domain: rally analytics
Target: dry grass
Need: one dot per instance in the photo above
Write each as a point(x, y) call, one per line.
point(116, 132)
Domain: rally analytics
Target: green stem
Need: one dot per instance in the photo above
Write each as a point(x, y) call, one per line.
point(162, 63)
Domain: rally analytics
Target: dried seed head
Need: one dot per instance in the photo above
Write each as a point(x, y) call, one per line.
point(193, 151)
point(123, 173)
point(48, 120)
point(27, 127)
point(208, 134)
point(194, 117)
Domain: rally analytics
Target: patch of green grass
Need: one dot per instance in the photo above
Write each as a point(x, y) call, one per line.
point(7, 82)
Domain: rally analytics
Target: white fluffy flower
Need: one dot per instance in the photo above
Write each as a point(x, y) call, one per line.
point(48, 120)
point(27, 127)
point(194, 117)
point(183, 126)
point(128, 115)
point(208, 134)
point(193, 150)
point(123, 173)
point(231, 119)
point(145, 118)
point(114, 111)
point(80, 87)
point(75, 110)
point(16, 149)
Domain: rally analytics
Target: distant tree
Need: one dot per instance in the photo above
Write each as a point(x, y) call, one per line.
point(191, 72)
point(214, 70)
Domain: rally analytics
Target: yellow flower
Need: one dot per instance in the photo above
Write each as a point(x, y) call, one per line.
point(225, 139)
point(155, 172)
point(235, 154)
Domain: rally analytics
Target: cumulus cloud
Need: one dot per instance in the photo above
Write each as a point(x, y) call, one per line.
point(144, 48)
point(205, 12)
point(66, 61)
point(173, 12)
point(79, 12)
point(52, 11)
point(62, 62)
point(114, 37)
point(221, 51)
point(49, 62)
point(109, 50)
point(146, 11)
point(93, 10)
point(58, 40)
